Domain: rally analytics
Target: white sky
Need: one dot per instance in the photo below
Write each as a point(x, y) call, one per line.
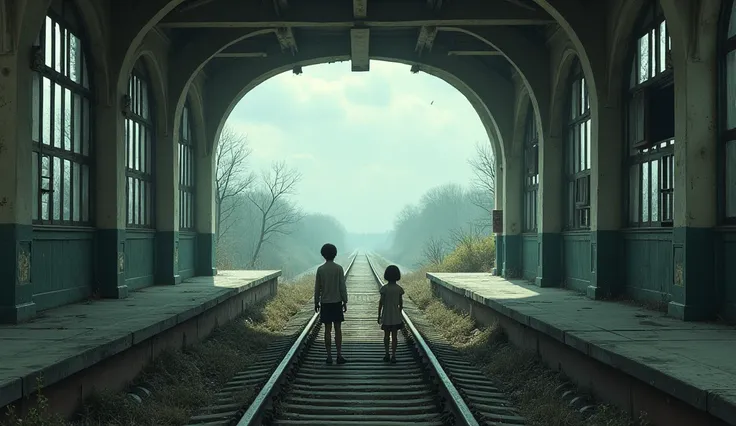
point(366, 143)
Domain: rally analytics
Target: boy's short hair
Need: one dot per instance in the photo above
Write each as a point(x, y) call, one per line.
point(392, 273)
point(329, 251)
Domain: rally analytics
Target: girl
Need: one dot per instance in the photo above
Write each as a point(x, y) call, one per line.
point(391, 304)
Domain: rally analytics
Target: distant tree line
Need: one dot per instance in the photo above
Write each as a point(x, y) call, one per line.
point(259, 226)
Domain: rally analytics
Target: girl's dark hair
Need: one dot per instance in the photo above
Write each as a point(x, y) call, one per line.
point(329, 251)
point(392, 273)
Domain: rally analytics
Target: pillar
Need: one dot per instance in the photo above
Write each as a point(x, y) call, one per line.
point(16, 189)
point(111, 202)
point(205, 212)
point(167, 208)
point(606, 202)
point(696, 163)
point(499, 204)
point(550, 212)
point(512, 210)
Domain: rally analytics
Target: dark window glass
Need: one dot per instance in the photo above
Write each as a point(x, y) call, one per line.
point(186, 171)
point(531, 171)
point(139, 137)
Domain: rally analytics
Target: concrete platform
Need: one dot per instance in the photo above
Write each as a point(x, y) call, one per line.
point(688, 362)
point(119, 337)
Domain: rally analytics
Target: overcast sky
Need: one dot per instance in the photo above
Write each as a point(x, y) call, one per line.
point(367, 144)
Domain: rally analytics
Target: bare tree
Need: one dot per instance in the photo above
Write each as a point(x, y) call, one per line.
point(434, 251)
point(277, 213)
point(484, 168)
point(232, 178)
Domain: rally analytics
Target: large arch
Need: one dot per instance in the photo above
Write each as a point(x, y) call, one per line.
point(487, 91)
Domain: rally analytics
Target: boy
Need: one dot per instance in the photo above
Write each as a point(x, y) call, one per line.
point(331, 296)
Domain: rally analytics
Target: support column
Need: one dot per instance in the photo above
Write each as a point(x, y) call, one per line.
point(16, 190)
point(167, 209)
point(512, 221)
point(111, 202)
point(694, 295)
point(205, 213)
point(550, 213)
point(606, 204)
point(499, 204)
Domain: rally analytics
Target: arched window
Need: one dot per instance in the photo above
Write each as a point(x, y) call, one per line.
point(577, 158)
point(729, 113)
point(531, 174)
point(62, 133)
point(186, 172)
point(651, 124)
point(139, 141)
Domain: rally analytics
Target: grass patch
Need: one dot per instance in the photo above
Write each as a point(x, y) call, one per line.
point(182, 382)
point(520, 374)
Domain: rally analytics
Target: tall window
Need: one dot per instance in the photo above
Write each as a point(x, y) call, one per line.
point(578, 152)
point(61, 119)
point(186, 172)
point(531, 174)
point(651, 124)
point(729, 115)
point(139, 137)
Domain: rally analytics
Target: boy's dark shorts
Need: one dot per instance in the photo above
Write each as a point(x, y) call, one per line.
point(392, 327)
point(330, 313)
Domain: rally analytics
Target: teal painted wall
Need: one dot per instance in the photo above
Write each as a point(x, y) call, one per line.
point(62, 267)
point(728, 273)
point(140, 258)
point(187, 254)
point(576, 262)
point(529, 256)
point(648, 264)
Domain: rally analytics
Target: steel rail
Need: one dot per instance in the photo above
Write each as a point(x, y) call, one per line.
point(461, 410)
point(264, 398)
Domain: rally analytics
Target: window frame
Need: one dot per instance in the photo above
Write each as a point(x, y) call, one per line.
point(149, 123)
point(646, 151)
point(66, 16)
point(187, 150)
point(725, 45)
point(573, 208)
point(531, 174)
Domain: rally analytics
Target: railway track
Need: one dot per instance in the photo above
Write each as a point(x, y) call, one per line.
point(431, 384)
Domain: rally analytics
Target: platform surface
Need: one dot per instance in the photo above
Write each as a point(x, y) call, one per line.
point(68, 339)
point(693, 362)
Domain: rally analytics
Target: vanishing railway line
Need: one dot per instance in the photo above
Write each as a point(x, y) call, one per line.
point(430, 385)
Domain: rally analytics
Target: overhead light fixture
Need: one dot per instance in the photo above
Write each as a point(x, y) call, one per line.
point(297, 69)
point(415, 68)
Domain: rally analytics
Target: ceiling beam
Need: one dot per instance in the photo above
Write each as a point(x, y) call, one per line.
point(280, 6)
point(474, 53)
point(318, 13)
point(286, 39)
point(242, 55)
point(426, 38)
point(360, 9)
point(434, 4)
point(359, 49)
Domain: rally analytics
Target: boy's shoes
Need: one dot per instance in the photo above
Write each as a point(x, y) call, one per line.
point(341, 360)
point(393, 360)
point(386, 358)
point(329, 360)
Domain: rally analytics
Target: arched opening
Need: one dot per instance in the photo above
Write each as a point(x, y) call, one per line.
point(63, 158)
point(650, 105)
point(187, 154)
point(140, 179)
point(577, 151)
point(406, 135)
point(649, 160)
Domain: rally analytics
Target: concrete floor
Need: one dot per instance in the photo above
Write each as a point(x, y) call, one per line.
point(69, 339)
point(693, 362)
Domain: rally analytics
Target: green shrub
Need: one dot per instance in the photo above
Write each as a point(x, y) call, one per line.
point(472, 254)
